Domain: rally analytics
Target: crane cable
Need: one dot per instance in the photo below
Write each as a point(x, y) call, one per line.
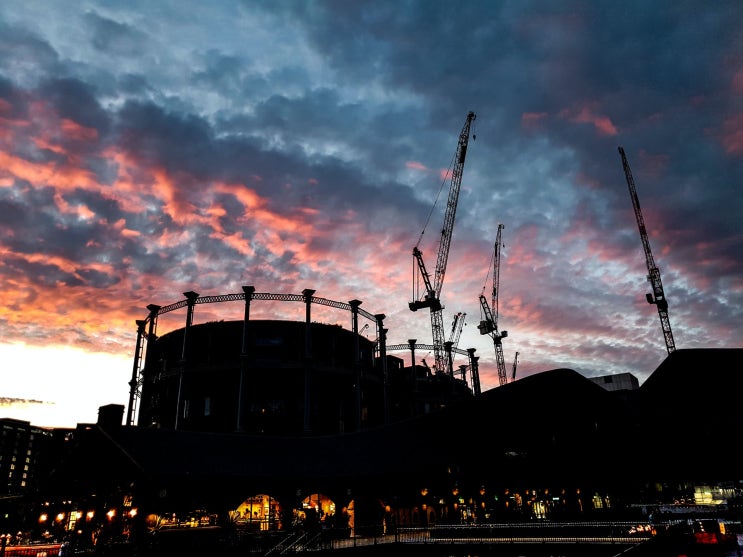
point(487, 275)
point(449, 174)
point(490, 266)
point(416, 281)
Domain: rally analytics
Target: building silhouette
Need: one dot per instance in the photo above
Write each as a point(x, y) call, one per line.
point(268, 426)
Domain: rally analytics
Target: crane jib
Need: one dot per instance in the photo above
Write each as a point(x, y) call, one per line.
point(658, 296)
point(433, 290)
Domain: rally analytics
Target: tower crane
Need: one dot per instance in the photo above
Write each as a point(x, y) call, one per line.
point(489, 323)
point(657, 296)
point(431, 297)
point(451, 344)
point(456, 328)
point(515, 363)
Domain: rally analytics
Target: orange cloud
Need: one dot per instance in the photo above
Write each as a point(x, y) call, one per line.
point(445, 174)
point(72, 130)
point(166, 188)
point(416, 166)
point(587, 115)
point(67, 265)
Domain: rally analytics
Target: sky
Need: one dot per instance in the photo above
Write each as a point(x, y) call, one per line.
point(149, 148)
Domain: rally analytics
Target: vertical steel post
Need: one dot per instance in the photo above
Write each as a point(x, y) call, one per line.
point(307, 293)
point(134, 382)
point(382, 334)
point(474, 371)
point(151, 338)
point(411, 343)
point(248, 290)
point(356, 358)
point(191, 302)
point(449, 359)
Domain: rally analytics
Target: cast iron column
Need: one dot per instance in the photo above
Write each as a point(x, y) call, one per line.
point(356, 358)
point(248, 290)
point(135, 372)
point(307, 293)
point(382, 333)
point(475, 371)
point(449, 360)
point(190, 303)
point(150, 351)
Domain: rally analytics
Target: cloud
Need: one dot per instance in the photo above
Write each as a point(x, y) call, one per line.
point(11, 402)
point(148, 152)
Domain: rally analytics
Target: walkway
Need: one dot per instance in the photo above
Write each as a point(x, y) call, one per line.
point(625, 534)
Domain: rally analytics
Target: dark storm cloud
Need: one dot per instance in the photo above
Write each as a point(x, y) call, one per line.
point(159, 137)
point(76, 101)
point(113, 37)
point(189, 145)
point(29, 54)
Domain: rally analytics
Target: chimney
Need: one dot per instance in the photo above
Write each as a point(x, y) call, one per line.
point(110, 416)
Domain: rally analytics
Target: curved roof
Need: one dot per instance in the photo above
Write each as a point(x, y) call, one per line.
point(553, 426)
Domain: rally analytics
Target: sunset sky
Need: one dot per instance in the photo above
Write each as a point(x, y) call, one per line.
point(149, 148)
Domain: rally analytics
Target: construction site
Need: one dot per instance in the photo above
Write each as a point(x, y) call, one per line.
point(265, 425)
point(293, 378)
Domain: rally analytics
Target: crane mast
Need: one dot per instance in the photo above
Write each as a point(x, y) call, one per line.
point(432, 294)
point(456, 329)
point(489, 323)
point(657, 296)
point(515, 363)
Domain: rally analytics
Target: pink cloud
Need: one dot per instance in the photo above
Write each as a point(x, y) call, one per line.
point(586, 114)
point(732, 135)
point(416, 166)
point(532, 120)
point(170, 189)
point(588, 181)
point(653, 165)
point(445, 174)
point(73, 130)
point(737, 84)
